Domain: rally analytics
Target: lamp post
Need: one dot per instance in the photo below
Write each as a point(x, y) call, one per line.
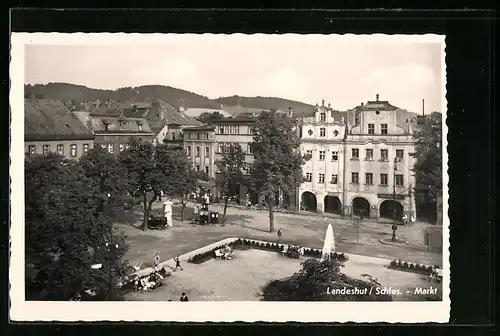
point(111, 249)
point(394, 226)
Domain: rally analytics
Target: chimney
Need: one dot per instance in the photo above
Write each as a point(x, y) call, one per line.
point(423, 108)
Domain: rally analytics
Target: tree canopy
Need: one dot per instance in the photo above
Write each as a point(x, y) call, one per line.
point(65, 229)
point(209, 117)
point(318, 280)
point(428, 160)
point(277, 158)
point(144, 177)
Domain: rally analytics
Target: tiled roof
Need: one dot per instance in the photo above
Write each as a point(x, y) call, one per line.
point(50, 119)
point(157, 112)
point(119, 125)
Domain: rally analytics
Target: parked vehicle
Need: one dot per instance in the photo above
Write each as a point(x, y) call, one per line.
point(157, 222)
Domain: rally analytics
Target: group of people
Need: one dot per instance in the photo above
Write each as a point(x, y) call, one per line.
point(150, 281)
point(227, 252)
point(294, 251)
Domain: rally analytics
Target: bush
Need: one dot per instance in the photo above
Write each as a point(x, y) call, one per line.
point(393, 263)
point(412, 266)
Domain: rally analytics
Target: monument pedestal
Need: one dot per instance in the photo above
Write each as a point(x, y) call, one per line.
point(167, 212)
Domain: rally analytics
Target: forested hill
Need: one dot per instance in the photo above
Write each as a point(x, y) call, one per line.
point(80, 93)
point(173, 96)
point(266, 103)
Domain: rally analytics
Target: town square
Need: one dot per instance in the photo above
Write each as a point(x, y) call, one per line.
point(271, 183)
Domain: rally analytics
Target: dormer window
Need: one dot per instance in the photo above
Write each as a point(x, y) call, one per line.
point(139, 124)
point(106, 125)
point(322, 117)
point(335, 133)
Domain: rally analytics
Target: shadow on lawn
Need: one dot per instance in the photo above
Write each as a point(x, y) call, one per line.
point(244, 221)
point(132, 218)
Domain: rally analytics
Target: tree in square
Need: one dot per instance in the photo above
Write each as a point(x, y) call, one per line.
point(65, 230)
point(277, 158)
point(231, 167)
point(144, 177)
point(428, 161)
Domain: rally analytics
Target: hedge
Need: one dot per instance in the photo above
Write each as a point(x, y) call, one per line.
point(411, 267)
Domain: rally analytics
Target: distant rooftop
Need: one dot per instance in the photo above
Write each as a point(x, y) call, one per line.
point(51, 120)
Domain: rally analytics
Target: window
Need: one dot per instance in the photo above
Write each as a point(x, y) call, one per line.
point(207, 151)
point(197, 167)
point(335, 179)
point(103, 146)
point(198, 136)
point(46, 149)
point(219, 147)
point(140, 127)
point(400, 153)
point(369, 178)
point(321, 178)
point(308, 177)
point(310, 132)
point(322, 117)
point(369, 154)
point(322, 132)
point(309, 153)
point(236, 129)
point(321, 155)
point(111, 148)
point(335, 156)
point(354, 178)
point(399, 180)
point(122, 147)
point(197, 151)
point(250, 149)
point(383, 128)
point(206, 136)
point(207, 169)
point(73, 150)
point(335, 133)
point(127, 146)
point(371, 128)
point(85, 148)
point(355, 154)
point(383, 179)
point(31, 149)
point(384, 155)
point(60, 149)
point(173, 136)
point(227, 129)
point(188, 151)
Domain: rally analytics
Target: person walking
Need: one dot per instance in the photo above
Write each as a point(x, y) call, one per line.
point(177, 263)
point(280, 234)
point(157, 259)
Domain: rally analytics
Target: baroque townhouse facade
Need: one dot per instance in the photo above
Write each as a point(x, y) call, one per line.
point(49, 126)
point(322, 143)
point(374, 175)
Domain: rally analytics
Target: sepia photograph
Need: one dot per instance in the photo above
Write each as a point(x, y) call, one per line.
point(229, 177)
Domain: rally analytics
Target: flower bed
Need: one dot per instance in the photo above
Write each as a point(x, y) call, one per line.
point(244, 243)
point(204, 256)
point(410, 267)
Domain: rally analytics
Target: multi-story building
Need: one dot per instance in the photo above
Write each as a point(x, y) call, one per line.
point(378, 165)
point(199, 144)
point(49, 126)
point(239, 129)
point(229, 131)
point(322, 142)
point(112, 132)
point(360, 161)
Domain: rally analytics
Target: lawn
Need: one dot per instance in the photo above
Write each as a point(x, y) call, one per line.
point(242, 278)
point(298, 229)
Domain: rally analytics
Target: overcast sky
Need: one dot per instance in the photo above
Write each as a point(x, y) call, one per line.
point(304, 69)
